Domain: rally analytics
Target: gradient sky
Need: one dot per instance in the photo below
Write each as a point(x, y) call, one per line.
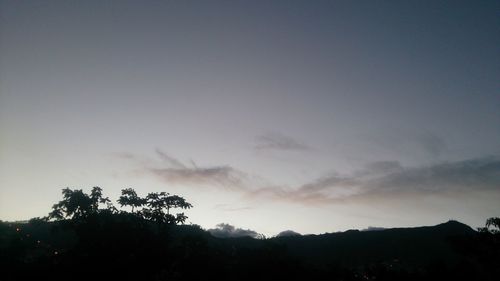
point(315, 116)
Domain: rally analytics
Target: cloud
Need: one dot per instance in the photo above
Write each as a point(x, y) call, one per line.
point(276, 141)
point(170, 160)
point(224, 176)
point(373, 228)
point(224, 230)
point(382, 167)
point(468, 175)
point(378, 180)
point(288, 233)
point(390, 179)
point(173, 171)
point(419, 145)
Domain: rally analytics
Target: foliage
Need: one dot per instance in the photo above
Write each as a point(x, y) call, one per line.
point(159, 208)
point(77, 205)
point(129, 198)
point(492, 226)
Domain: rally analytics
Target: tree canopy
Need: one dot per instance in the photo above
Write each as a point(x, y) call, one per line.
point(156, 206)
point(492, 226)
point(77, 204)
point(129, 198)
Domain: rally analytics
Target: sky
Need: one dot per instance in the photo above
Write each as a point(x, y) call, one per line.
point(311, 116)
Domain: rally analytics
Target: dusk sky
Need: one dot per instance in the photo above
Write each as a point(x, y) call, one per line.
point(313, 116)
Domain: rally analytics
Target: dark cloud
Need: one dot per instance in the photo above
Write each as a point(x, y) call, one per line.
point(382, 167)
point(224, 230)
point(224, 176)
point(171, 161)
point(287, 233)
point(171, 170)
point(388, 179)
point(276, 141)
point(297, 196)
point(467, 175)
point(329, 181)
point(382, 180)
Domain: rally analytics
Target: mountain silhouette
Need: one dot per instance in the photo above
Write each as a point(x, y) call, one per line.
point(125, 246)
point(412, 246)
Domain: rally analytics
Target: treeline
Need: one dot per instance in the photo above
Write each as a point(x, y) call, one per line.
point(156, 206)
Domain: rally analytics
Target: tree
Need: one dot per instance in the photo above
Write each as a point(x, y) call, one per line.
point(96, 198)
point(159, 208)
point(130, 198)
point(492, 226)
point(180, 218)
point(77, 204)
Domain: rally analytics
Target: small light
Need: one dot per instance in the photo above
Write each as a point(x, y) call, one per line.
point(18, 229)
point(55, 252)
point(38, 241)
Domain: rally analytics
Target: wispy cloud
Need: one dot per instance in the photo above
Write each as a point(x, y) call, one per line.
point(277, 141)
point(174, 171)
point(468, 175)
point(390, 179)
point(177, 172)
point(222, 175)
point(174, 163)
point(383, 180)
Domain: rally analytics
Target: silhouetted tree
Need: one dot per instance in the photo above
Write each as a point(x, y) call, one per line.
point(130, 198)
point(78, 204)
point(180, 218)
point(492, 225)
point(96, 197)
point(75, 204)
point(159, 208)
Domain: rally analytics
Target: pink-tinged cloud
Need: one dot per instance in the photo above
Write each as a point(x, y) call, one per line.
point(380, 180)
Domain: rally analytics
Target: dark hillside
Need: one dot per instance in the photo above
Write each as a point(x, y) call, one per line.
point(409, 246)
point(119, 246)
